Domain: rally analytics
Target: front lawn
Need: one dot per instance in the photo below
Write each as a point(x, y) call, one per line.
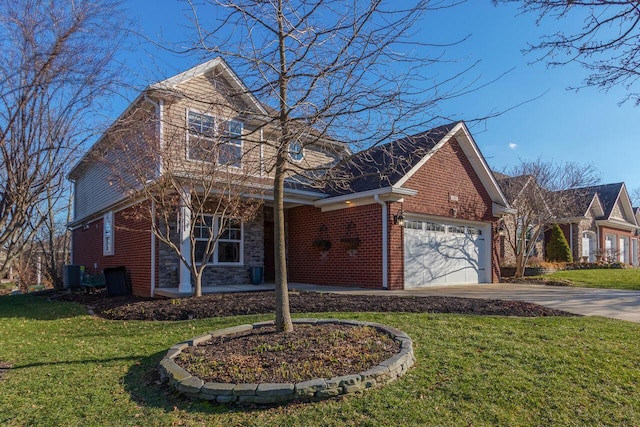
point(602, 278)
point(68, 368)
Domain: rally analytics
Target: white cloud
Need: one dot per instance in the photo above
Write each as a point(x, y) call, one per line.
point(513, 145)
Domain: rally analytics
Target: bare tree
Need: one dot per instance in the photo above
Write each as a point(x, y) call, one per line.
point(55, 63)
point(540, 194)
point(53, 238)
point(352, 72)
point(607, 44)
point(205, 195)
point(635, 196)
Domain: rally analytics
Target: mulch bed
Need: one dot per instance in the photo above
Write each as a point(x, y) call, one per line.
point(234, 304)
point(308, 352)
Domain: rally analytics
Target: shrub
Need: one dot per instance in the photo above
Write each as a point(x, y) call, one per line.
point(558, 249)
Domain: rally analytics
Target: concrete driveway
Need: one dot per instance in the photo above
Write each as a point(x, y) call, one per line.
point(623, 305)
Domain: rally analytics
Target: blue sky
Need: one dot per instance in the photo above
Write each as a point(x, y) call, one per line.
point(588, 126)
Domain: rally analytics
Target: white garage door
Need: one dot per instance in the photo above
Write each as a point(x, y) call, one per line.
point(442, 253)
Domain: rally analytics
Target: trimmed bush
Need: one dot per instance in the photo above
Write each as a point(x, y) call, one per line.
point(558, 249)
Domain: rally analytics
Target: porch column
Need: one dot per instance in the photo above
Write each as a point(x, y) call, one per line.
point(185, 243)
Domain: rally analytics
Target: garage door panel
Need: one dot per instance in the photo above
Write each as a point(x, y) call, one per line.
point(443, 254)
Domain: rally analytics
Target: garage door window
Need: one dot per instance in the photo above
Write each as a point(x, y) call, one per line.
point(474, 231)
point(434, 226)
point(458, 229)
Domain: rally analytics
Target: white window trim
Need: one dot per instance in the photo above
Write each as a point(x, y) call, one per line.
point(217, 122)
point(216, 224)
point(108, 234)
point(302, 152)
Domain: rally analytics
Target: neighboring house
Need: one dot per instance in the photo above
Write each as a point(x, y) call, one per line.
point(419, 211)
point(522, 193)
point(602, 225)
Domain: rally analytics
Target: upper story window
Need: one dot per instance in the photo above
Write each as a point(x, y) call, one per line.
point(214, 140)
point(231, 146)
point(107, 234)
point(296, 151)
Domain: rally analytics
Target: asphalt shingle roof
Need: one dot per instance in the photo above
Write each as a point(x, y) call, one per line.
point(384, 165)
point(607, 193)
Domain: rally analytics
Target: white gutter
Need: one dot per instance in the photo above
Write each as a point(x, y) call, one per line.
point(385, 241)
point(375, 193)
point(153, 248)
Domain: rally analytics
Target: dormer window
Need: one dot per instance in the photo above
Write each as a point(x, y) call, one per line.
point(213, 140)
point(296, 151)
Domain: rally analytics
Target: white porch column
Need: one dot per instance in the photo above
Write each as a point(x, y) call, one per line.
point(185, 243)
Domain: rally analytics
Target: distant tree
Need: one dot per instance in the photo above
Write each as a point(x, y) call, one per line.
point(607, 44)
point(352, 72)
point(635, 196)
point(558, 249)
point(537, 192)
point(55, 64)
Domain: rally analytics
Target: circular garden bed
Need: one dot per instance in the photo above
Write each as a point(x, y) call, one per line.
point(180, 367)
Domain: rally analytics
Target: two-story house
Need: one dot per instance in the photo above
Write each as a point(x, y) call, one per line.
point(417, 211)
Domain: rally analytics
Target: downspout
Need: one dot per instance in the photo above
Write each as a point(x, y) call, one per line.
point(262, 168)
point(153, 248)
point(385, 241)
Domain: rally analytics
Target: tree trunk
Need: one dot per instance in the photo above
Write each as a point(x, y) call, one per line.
point(283, 315)
point(197, 278)
point(519, 266)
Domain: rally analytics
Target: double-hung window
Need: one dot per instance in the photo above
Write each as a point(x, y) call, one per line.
point(231, 144)
point(214, 140)
point(222, 235)
point(201, 137)
point(107, 233)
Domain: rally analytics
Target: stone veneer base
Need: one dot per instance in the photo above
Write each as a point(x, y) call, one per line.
point(270, 393)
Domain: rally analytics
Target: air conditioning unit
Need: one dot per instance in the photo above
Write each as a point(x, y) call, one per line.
point(71, 276)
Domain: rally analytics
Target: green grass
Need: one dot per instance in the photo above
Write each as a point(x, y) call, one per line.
point(602, 278)
point(74, 370)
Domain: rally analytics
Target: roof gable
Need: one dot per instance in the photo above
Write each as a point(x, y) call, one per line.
point(461, 133)
point(217, 64)
point(610, 200)
point(385, 165)
point(391, 165)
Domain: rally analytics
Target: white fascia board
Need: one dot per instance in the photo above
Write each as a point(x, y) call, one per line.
point(626, 204)
point(612, 223)
point(572, 220)
point(479, 164)
point(364, 198)
point(499, 210)
point(600, 211)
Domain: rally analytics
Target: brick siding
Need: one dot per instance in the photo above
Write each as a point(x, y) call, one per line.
point(132, 247)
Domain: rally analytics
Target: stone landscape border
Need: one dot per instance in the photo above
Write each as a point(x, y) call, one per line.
point(270, 393)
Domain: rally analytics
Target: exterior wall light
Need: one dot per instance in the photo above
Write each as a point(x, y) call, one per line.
point(398, 218)
point(502, 231)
